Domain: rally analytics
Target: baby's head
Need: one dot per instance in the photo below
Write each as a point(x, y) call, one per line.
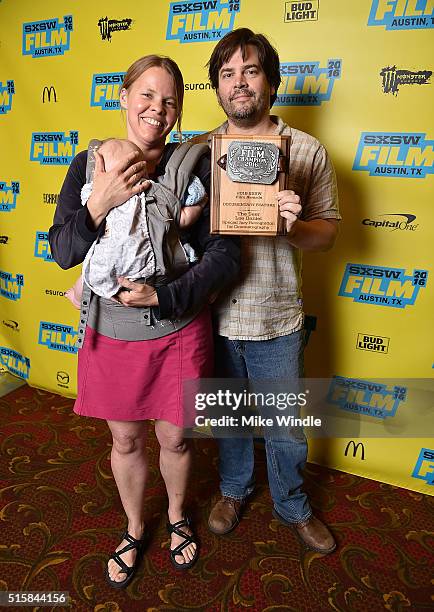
point(114, 149)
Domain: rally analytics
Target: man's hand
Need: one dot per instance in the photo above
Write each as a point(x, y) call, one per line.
point(138, 294)
point(289, 206)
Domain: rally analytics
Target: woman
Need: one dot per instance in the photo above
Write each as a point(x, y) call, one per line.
point(149, 373)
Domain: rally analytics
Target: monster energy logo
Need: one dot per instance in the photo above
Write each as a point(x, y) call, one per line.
point(107, 26)
point(393, 78)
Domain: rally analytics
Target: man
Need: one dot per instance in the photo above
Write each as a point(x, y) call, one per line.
point(260, 321)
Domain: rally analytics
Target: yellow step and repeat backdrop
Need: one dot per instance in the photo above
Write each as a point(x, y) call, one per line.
point(357, 75)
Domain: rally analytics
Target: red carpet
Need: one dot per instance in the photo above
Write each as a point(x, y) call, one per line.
point(60, 516)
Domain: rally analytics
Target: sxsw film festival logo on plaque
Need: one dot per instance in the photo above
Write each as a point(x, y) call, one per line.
point(395, 154)
point(393, 78)
point(42, 247)
point(306, 83)
point(301, 11)
point(58, 337)
point(381, 286)
point(206, 21)
point(105, 90)
point(8, 195)
point(47, 37)
point(53, 148)
point(6, 92)
point(10, 285)
point(14, 362)
point(402, 14)
point(366, 397)
point(424, 468)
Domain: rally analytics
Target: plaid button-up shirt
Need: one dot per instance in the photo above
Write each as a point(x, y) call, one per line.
point(266, 300)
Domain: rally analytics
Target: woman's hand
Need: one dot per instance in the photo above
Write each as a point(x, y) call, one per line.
point(289, 206)
point(115, 187)
point(138, 294)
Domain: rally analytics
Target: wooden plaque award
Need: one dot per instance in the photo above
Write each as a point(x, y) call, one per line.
point(247, 172)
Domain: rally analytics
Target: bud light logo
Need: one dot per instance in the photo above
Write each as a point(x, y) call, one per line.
point(306, 84)
point(424, 468)
point(366, 397)
point(58, 337)
point(6, 92)
point(402, 15)
point(382, 286)
point(105, 90)
point(53, 148)
point(47, 37)
point(10, 285)
point(395, 154)
point(8, 195)
point(42, 247)
point(206, 21)
point(15, 362)
point(184, 136)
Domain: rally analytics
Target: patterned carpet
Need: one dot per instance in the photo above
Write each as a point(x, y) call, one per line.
point(60, 515)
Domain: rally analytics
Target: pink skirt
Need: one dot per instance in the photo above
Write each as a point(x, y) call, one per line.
point(120, 380)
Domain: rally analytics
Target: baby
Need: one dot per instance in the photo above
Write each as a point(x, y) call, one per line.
point(125, 248)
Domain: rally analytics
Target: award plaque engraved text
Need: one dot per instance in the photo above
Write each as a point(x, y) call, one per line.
point(247, 172)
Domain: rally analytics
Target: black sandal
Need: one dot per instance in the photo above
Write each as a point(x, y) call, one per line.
point(188, 539)
point(130, 571)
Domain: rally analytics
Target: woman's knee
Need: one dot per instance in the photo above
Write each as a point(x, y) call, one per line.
point(126, 441)
point(171, 438)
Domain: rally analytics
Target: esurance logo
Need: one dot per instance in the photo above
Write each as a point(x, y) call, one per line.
point(58, 337)
point(47, 37)
point(53, 148)
point(105, 90)
point(10, 285)
point(6, 92)
point(15, 362)
point(424, 468)
point(366, 397)
point(8, 195)
point(395, 154)
point(402, 14)
point(205, 21)
point(42, 247)
point(382, 286)
point(396, 221)
point(306, 83)
point(184, 136)
point(393, 77)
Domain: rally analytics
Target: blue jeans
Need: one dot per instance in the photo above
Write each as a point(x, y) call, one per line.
point(276, 359)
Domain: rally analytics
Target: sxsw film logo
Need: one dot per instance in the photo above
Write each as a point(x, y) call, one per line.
point(10, 285)
point(393, 78)
point(107, 26)
point(395, 154)
point(365, 397)
point(402, 14)
point(105, 90)
point(58, 337)
point(6, 92)
point(397, 221)
point(375, 344)
point(301, 11)
point(203, 21)
point(15, 362)
point(47, 37)
point(42, 247)
point(184, 136)
point(424, 468)
point(306, 84)
point(8, 195)
point(53, 148)
point(382, 286)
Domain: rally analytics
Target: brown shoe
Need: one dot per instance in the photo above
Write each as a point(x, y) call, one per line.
point(312, 533)
point(225, 515)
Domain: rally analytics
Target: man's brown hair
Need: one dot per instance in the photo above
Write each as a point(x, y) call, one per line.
point(239, 39)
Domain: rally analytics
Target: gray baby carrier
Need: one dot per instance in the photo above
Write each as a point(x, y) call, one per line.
point(163, 208)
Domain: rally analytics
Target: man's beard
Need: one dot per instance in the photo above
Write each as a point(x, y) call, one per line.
point(248, 112)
